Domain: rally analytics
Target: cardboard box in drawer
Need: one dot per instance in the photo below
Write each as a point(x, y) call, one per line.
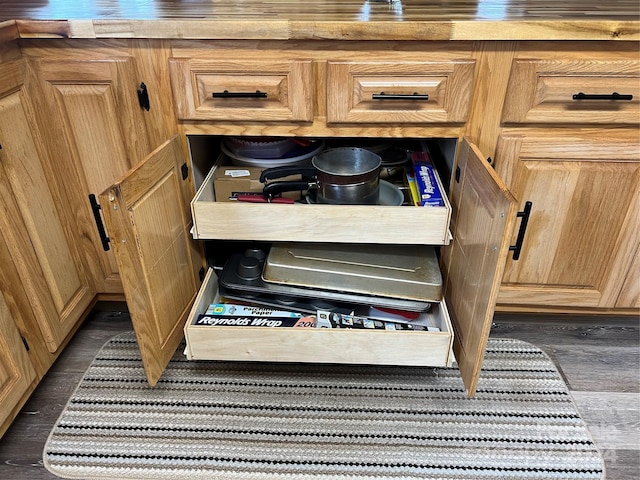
point(230, 181)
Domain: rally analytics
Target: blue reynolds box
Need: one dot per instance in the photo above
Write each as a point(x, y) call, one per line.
point(429, 194)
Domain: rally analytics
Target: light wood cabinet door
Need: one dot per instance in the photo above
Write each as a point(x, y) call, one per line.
point(582, 235)
point(483, 215)
point(95, 129)
point(149, 220)
point(16, 372)
point(32, 220)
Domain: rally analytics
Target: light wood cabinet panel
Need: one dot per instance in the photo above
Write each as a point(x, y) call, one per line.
point(96, 131)
point(583, 231)
point(16, 372)
point(32, 218)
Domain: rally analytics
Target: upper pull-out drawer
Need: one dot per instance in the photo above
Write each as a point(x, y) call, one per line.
point(573, 91)
point(302, 222)
point(239, 90)
point(399, 92)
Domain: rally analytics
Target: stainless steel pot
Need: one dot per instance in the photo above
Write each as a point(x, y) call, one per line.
point(346, 176)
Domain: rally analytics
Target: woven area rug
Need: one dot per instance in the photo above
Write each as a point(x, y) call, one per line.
point(226, 420)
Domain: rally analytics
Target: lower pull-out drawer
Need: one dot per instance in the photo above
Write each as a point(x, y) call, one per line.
point(375, 347)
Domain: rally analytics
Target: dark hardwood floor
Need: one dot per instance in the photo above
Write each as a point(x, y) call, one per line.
point(599, 358)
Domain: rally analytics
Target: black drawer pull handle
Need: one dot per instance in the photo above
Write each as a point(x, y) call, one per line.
point(525, 214)
point(612, 96)
point(391, 96)
point(228, 94)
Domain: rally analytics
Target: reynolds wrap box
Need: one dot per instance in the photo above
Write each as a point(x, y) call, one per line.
point(428, 191)
point(255, 321)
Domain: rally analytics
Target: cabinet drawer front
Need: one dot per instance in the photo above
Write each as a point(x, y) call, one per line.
point(320, 345)
point(573, 91)
point(411, 92)
point(238, 90)
point(319, 223)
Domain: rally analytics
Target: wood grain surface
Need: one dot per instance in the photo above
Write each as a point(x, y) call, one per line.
point(350, 19)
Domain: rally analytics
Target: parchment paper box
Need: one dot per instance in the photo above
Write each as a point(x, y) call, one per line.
point(229, 181)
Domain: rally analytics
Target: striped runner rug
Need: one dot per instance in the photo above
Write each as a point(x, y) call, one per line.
point(266, 421)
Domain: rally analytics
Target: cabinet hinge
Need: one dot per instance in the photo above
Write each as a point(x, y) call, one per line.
point(26, 344)
point(201, 274)
point(185, 171)
point(490, 162)
point(95, 208)
point(143, 97)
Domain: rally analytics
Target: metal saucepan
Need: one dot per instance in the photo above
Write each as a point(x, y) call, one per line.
point(346, 176)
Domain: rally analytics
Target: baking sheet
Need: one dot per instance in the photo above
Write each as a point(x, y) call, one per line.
point(410, 272)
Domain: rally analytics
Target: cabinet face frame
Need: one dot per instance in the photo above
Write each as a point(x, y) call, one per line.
point(473, 265)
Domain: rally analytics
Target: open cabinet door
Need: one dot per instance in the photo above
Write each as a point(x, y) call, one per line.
point(483, 216)
point(148, 218)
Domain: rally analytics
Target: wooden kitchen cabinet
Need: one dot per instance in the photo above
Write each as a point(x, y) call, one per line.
point(33, 217)
point(500, 83)
point(149, 220)
point(45, 288)
point(577, 159)
point(97, 128)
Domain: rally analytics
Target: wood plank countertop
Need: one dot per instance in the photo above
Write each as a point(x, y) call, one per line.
point(323, 19)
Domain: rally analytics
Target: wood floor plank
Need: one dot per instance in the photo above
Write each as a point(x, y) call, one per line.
point(613, 418)
point(606, 369)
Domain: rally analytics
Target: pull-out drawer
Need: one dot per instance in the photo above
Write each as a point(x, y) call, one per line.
point(399, 92)
point(274, 91)
point(318, 223)
point(320, 345)
point(573, 91)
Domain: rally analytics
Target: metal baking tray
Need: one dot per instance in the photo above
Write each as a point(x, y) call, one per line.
point(408, 272)
point(241, 279)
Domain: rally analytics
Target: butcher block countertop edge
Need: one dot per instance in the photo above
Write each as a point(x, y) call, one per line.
point(322, 19)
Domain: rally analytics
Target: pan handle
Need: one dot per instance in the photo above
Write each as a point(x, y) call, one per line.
point(308, 173)
point(275, 188)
